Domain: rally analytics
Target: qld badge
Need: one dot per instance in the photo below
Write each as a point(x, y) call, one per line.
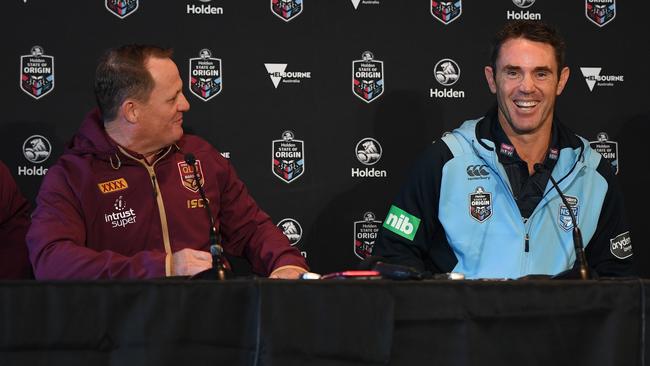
point(187, 175)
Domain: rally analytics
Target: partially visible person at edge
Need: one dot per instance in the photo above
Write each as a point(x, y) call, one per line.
point(14, 222)
point(475, 202)
point(121, 202)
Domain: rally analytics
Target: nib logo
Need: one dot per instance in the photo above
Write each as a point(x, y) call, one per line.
point(591, 74)
point(355, 3)
point(275, 72)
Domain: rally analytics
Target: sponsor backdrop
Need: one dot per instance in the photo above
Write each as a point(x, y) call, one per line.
point(322, 105)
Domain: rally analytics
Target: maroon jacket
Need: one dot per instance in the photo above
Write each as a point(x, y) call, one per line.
point(102, 213)
point(14, 221)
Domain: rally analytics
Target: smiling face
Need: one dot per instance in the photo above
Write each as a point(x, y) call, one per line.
point(160, 117)
point(526, 82)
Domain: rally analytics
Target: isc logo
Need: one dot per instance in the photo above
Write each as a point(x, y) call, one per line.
point(195, 203)
point(401, 223)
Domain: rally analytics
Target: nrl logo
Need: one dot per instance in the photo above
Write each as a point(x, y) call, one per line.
point(600, 12)
point(121, 8)
point(288, 157)
point(187, 175)
point(480, 204)
point(291, 229)
point(608, 149)
point(365, 235)
point(367, 77)
point(446, 11)
point(37, 73)
point(286, 9)
point(205, 75)
point(564, 217)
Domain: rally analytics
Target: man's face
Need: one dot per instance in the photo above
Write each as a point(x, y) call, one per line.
point(160, 118)
point(526, 83)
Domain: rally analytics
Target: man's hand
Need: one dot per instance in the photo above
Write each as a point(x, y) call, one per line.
point(287, 272)
point(188, 262)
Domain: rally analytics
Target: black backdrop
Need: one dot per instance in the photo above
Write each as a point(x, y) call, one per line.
point(318, 104)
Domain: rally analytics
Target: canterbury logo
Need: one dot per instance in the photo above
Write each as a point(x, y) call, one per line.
point(113, 186)
point(477, 171)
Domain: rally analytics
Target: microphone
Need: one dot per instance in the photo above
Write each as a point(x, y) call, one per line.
point(390, 271)
point(577, 235)
point(218, 262)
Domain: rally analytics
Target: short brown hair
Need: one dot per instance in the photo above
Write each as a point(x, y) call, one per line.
point(533, 31)
point(122, 74)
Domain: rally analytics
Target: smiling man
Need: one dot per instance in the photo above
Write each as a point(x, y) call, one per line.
point(123, 202)
point(480, 200)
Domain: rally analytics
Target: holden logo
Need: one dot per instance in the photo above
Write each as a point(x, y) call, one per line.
point(37, 149)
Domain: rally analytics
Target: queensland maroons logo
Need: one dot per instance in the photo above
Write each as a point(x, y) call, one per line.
point(188, 180)
point(121, 8)
point(367, 77)
point(37, 73)
point(288, 157)
point(600, 12)
point(365, 235)
point(608, 149)
point(286, 9)
point(205, 75)
point(446, 11)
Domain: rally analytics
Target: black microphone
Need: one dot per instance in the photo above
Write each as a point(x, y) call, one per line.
point(218, 262)
point(390, 271)
point(577, 235)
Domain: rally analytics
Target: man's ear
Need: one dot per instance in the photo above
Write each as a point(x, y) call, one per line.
point(129, 110)
point(489, 77)
point(564, 77)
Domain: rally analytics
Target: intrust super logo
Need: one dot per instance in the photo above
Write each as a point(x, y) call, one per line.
point(401, 223)
point(113, 186)
point(121, 8)
point(593, 77)
point(278, 74)
point(121, 215)
point(368, 151)
point(447, 73)
point(205, 75)
point(36, 149)
point(365, 235)
point(37, 73)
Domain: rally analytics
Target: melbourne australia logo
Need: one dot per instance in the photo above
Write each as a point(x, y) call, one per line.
point(365, 235)
point(600, 12)
point(593, 77)
point(205, 75)
point(36, 150)
point(446, 11)
point(621, 245)
point(204, 9)
point(480, 204)
point(525, 15)
point(564, 217)
point(121, 8)
point(447, 73)
point(291, 229)
point(187, 175)
point(288, 157)
point(121, 215)
point(368, 77)
point(368, 151)
point(277, 73)
point(286, 9)
point(356, 3)
point(37, 73)
point(608, 149)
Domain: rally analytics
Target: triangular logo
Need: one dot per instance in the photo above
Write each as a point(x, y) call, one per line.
point(275, 72)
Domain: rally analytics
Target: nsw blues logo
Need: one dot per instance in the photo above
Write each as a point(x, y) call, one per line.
point(446, 11)
point(600, 12)
point(480, 204)
point(367, 77)
point(205, 75)
point(121, 8)
point(286, 9)
point(365, 235)
point(288, 157)
point(608, 149)
point(37, 73)
point(564, 217)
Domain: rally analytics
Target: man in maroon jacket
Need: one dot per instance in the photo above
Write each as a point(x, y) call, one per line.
point(14, 221)
point(122, 202)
